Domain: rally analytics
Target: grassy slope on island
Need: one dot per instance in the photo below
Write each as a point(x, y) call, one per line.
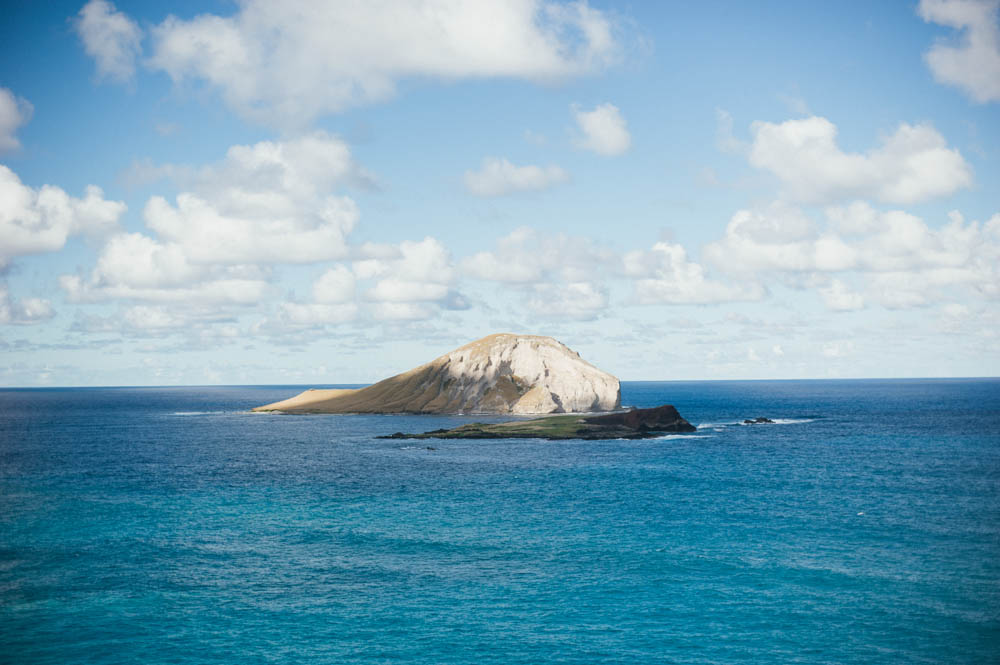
point(475, 378)
point(633, 424)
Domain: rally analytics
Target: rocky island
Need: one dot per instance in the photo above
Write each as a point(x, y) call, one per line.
point(633, 424)
point(498, 374)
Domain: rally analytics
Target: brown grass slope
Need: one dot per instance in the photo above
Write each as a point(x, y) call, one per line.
point(443, 385)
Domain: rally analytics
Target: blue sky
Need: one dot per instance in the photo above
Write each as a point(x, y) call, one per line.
point(258, 192)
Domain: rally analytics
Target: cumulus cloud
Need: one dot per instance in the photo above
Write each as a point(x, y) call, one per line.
point(581, 301)
point(902, 261)
point(778, 238)
point(264, 203)
point(603, 130)
point(664, 275)
point(526, 256)
point(14, 113)
point(913, 164)
point(34, 221)
point(133, 266)
point(554, 274)
point(421, 272)
point(839, 297)
point(336, 285)
point(23, 312)
point(111, 38)
point(290, 62)
point(498, 177)
point(412, 283)
point(972, 63)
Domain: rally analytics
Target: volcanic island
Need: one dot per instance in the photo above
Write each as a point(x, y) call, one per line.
point(502, 374)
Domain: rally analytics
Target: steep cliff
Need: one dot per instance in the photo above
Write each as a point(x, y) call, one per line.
point(507, 374)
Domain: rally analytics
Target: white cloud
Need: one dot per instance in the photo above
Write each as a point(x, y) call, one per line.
point(898, 241)
point(913, 164)
point(14, 113)
point(111, 38)
point(264, 203)
point(289, 62)
point(664, 275)
point(526, 256)
point(422, 272)
point(902, 261)
point(839, 297)
point(603, 130)
point(132, 266)
point(34, 221)
point(973, 64)
point(412, 284)
point(140, 261)
point(779, 238)
point(554, 274)
point(580, 301)
point(336, 285)
point(498, 177)
point(23, 312)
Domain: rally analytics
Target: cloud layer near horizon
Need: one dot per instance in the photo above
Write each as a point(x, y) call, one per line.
point(271, 204)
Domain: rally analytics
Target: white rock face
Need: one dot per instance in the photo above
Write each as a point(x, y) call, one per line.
point(527, 374)
point(516, 374)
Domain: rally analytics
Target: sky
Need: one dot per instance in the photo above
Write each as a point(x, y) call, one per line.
point(314, 193)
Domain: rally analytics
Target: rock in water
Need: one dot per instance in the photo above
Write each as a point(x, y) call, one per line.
point(632, 424)
point(515, 374)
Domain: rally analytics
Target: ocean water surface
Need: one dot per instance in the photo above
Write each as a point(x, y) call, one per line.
point(169, 525)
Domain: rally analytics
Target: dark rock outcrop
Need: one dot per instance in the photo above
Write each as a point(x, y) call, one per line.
point(661, 419)
point(633, 424)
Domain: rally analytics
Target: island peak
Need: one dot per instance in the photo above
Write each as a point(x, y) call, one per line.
point(503, 373)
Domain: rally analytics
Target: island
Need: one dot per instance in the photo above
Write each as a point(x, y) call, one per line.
point(632, 424)
point(498, 374)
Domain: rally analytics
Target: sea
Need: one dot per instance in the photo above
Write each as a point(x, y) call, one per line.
point(171, 525)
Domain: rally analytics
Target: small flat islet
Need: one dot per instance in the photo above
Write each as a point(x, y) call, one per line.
point(632, 424)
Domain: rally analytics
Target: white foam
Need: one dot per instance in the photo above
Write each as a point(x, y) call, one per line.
point(718, 427)
point(779, 421)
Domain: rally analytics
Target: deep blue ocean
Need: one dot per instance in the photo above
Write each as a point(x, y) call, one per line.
point(169, 525)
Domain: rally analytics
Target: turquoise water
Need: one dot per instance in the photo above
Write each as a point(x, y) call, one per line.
point(167, 525)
